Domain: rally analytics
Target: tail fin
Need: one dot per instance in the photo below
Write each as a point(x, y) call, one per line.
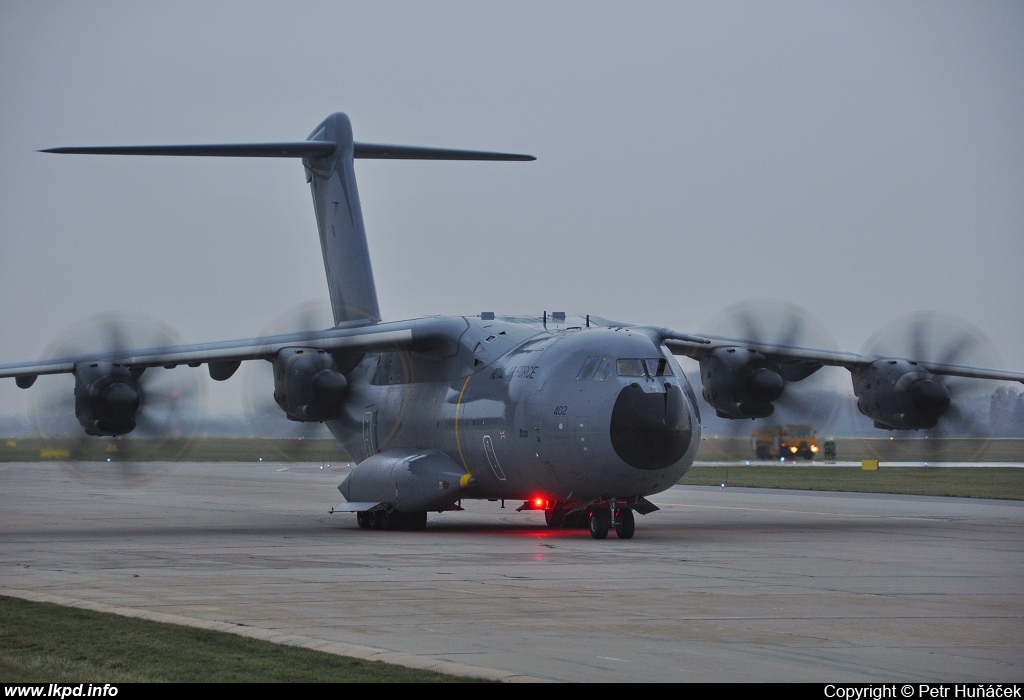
point(327, 156)
point(339, 219)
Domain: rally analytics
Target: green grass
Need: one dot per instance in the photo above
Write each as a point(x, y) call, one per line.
point(898, 449)
point(218, 449)
point(45, 643)
point(92, 449)
point(963, 482)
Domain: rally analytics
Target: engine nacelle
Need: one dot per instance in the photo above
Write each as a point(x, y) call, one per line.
point(308, 384)
point(900, 395)
point(740, 382)
point(107, 398)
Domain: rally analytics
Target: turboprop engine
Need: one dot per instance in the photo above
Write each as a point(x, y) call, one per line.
point(308, 384)
point(740, 382)
point(900, 395)
point(107, 398)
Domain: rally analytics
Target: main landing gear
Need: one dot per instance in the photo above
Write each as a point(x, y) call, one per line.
point(391, 520)
point(601, 522)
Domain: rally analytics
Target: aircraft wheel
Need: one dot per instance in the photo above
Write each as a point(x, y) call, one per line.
point(364, 519)
point(416, 521)
point(380, 519)
point(625, 524)
point(600, 521)
point(393, 520)
point(554, 517)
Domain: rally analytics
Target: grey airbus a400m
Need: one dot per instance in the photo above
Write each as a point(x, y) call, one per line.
point(576, 415)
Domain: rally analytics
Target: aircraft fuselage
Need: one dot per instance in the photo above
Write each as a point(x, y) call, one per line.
point(565, 413)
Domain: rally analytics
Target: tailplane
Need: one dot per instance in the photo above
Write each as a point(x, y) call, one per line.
point(327, 156)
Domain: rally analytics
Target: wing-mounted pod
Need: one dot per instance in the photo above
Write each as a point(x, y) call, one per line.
point(900, 395)
point(740, 382)
point(308, 384)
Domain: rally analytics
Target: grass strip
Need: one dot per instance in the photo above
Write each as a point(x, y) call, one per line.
point(962, 482)
point(47, 643)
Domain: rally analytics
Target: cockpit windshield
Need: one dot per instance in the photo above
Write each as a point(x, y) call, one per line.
point(658, 367)
point(630, 367)
point(650, 367)
point(605, 369)
point(587, 370)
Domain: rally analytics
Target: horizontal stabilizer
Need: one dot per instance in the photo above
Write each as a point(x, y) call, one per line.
point(377, 150)
point(297, 149)
point(327, 158)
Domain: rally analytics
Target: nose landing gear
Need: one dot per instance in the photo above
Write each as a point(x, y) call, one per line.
point(601, 521)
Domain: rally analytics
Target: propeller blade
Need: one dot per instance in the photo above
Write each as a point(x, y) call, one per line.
point(808, 398)
point(166, 419)
point(267, 419)
point(940, 338)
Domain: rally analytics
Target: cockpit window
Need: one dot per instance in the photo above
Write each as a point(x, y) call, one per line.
point(658, 367)
point(605, 369)
point(630, 367)
point(637, 367)
point(587, 370)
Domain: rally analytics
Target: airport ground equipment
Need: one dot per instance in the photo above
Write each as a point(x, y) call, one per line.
point(787, 441)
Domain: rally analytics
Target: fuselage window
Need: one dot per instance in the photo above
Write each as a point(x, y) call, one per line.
point(630, 367)
point(587, 370)
point(605, 369)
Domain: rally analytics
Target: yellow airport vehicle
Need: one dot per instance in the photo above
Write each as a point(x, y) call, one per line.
point(789, 441)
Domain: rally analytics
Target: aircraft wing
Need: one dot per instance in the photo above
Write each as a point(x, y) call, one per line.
point(438, 335)
point(811, 359)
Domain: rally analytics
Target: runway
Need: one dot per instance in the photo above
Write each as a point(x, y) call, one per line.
point(720, 585)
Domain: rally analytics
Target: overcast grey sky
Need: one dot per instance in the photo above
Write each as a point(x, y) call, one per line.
point(863, 160)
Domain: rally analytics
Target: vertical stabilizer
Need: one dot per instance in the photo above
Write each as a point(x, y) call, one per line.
point(340, 221)
point(327, 155)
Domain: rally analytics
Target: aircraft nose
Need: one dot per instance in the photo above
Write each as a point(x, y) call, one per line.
point(650, 430)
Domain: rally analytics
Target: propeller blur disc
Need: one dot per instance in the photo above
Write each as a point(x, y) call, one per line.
point(933, 336)
point(266, 419)
point(169, 418)
point(813, 401)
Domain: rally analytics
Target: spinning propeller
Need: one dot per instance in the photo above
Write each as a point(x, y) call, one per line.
point(133, 415)
point(266, 418)
point(802, 397)
point(955, 406)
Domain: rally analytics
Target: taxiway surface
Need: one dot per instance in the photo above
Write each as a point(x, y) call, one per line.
point(720, 585)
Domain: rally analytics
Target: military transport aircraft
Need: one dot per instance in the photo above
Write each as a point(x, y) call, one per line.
point(579, 416)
